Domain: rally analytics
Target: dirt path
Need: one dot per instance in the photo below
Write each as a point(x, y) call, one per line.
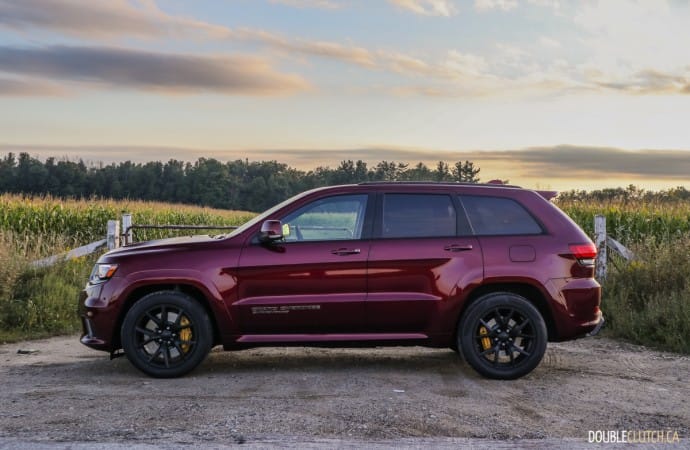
point(67, 393)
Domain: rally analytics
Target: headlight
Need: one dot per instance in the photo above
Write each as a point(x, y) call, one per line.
point(102, 273)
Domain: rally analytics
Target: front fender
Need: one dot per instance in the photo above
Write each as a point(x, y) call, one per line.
point(216, 294)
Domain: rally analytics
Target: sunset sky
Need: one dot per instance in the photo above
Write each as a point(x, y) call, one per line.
point(545, 93)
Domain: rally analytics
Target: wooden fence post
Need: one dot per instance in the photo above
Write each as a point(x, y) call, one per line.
point(113, 236)
point(127, 228)
point(600, 242)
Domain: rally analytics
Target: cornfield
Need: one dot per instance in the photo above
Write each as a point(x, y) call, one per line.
point(78, 222)
point(633, 222)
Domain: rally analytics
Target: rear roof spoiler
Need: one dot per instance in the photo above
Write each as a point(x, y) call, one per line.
point(548, 195)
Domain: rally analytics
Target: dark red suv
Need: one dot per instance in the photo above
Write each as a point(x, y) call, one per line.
point(490, 271)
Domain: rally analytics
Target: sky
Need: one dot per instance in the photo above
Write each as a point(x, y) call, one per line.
point(545, 93)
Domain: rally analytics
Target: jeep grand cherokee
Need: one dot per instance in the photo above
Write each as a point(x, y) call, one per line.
point(491, 271)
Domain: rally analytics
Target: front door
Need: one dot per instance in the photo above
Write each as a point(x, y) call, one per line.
point(314, 280)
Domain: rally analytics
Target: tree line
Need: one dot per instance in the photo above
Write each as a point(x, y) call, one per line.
point(239, 184)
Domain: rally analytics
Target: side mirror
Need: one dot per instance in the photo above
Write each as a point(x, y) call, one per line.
point(271, 230)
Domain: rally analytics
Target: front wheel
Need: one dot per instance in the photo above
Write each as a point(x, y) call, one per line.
point(502, 336)
point(166, 334)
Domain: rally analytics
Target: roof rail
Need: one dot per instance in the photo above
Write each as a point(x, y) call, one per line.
point(440, 183)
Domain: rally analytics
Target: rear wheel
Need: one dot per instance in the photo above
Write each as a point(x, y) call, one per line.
point(502, 336)
point(166, 334)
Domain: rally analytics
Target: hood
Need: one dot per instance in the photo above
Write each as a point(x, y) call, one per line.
point(162, 245)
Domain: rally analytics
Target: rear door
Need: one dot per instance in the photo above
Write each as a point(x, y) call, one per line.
point(421, 258)
point(315, 280)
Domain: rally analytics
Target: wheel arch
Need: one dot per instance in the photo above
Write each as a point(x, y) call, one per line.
point(530, 292)
point(141, 291)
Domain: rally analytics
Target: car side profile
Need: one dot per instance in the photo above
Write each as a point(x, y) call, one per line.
point(491, 271)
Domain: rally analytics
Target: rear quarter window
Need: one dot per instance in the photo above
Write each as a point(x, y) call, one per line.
point(499, 216)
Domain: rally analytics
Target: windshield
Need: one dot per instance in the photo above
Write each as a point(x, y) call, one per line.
point(261, 217)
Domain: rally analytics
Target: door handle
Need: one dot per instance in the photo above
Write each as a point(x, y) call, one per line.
point(346, 251)
point(458, 247)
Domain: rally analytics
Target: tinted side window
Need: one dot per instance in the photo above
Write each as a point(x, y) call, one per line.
point(498, 216)
point(418, 215)
point(332, 218)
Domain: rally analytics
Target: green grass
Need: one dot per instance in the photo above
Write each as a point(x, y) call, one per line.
point(648, 301)
point(36, 303)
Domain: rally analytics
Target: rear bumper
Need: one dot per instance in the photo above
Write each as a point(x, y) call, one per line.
point(575, 308)
point(597, 328)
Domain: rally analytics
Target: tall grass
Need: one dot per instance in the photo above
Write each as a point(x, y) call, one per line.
point(36, 302)
point(648, 300)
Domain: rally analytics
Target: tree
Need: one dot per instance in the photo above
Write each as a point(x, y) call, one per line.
point(389, 171)
point(8, 173)
point(442, 172)
point(465, 172)
point(420, 172)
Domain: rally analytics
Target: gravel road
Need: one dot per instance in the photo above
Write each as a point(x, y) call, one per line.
point(67, 395)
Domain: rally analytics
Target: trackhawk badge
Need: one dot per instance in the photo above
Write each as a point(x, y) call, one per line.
point(283, 309)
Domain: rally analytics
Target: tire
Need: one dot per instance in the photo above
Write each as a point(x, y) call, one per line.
point(166, 334)
point(502, 336)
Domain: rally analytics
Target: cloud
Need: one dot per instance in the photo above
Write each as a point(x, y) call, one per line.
point(578, 161)
point(622, 57)
point(100, 19)
point(645, 82)
point(149, 71)
point(321, 4)
point(623, 37)
point(488, 5)
point(445, 8)
point(120, 18)
point(27, 87)
point(352, 54)
point(455, 66)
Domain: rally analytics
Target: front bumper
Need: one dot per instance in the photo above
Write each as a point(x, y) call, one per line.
point(89, 337)
point(98, 317)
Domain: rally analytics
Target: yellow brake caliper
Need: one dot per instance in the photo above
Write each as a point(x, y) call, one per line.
point(185, 333)
point(486, 342)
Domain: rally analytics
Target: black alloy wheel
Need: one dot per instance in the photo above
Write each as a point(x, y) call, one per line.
point(166, 334)
point(502, 336)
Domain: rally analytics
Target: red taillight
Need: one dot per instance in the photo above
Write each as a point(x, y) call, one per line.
point(583, 251)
